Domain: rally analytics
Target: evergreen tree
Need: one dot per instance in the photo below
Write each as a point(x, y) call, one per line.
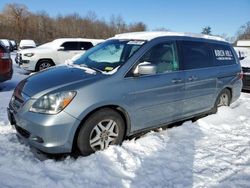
point(206, 30)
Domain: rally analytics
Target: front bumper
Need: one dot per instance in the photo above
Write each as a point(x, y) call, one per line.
point(51, 134)
point(28, 65)
point(246, 82)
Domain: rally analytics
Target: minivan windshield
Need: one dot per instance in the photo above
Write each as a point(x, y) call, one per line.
point(110, 55)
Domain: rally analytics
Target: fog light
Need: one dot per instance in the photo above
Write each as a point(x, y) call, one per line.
point(36, 139)
point(25, 61)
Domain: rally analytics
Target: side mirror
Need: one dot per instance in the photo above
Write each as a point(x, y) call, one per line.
point(145, 68)
point(241, 58)
point(61, 48)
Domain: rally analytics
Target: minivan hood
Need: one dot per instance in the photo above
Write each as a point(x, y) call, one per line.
point(55, 78)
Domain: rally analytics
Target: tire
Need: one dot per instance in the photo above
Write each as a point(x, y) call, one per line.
point(43, 64)
point(103, 128)
point(223, 99)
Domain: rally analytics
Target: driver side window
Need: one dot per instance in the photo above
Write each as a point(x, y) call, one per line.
point(163, 56)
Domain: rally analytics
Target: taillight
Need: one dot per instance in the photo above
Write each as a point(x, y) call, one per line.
point(241, 74)
point(4, 55)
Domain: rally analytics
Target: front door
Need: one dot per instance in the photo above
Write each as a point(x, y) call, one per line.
point(158, 98)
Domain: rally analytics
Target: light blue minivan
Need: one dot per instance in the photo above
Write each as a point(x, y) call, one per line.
point(130, 83)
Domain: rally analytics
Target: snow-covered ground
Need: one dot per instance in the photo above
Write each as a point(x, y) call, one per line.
point(211, 152)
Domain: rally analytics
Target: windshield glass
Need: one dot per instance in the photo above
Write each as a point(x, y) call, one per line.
point(109, 55)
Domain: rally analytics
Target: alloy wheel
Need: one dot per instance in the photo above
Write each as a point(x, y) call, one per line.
point(44, 65)
point(103, 134)
point(224, 100)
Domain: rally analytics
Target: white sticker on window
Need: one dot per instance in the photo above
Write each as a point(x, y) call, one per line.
point(136, 42)
point(223, 54)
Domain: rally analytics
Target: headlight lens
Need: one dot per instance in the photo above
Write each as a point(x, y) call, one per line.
point(29, 54)
point(53, 103)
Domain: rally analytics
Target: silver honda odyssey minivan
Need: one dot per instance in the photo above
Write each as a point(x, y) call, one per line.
point(130, 83)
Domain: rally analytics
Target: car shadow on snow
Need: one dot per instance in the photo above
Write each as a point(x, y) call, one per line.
point(245, 91)
point(170, 164)
point(10, 85)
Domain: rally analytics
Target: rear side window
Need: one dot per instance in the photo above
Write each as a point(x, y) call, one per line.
point(85, 45)
point(223, 55)
point(195, 55)
point(70, 46)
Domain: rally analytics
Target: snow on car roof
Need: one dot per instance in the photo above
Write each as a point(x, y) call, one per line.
point(59, 41)
point(5, 42)
point(27, 42)
point(149, 35)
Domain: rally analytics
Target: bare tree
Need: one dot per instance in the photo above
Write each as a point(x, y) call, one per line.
point(42, 28)
point(244, 32)
point(19, 15)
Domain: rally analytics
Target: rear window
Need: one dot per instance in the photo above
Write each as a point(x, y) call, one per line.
point(77, 45)
point(85, 45)
point(223, 54)
point(195, 55)
point(3, 49)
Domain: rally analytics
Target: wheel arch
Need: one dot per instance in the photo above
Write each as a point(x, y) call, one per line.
point(124, 114)
point(231, 92)
point(44, 59)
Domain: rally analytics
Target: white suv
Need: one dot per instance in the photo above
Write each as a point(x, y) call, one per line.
point(54, 53)
point(27, 43)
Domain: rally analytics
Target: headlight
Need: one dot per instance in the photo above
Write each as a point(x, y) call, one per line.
point(53, 103)
point(29, 54)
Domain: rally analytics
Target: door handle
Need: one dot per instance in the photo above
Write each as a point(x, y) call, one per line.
point(195, 78)
point(176, 80)
point(192, 78)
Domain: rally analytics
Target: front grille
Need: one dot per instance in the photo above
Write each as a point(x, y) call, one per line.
point(245, 69)
point(16, 103)
point(19, 58)
point(246, 75)
point(19, 98)
point(23, 132)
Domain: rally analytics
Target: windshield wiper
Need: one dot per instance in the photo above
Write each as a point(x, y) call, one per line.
point(93, 68)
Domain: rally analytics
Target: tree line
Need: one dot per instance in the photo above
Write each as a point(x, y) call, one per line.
point(17, 22)
point(243, 33)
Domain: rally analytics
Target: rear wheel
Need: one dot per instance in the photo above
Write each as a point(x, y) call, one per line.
point(102, 129)
point(223, 99)
point(44, 64)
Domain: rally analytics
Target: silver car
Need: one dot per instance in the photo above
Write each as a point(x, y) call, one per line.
point(128, 84)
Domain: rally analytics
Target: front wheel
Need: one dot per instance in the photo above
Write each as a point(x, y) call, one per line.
point(103, 128)
point(44, 64)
